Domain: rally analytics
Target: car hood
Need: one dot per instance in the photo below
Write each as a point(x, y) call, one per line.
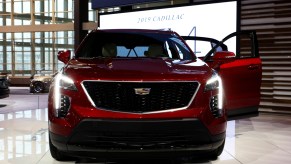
point(3, 77)
point(42, 78)
point(136, 69)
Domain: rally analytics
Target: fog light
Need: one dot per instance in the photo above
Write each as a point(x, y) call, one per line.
point(216, 111)
point(64, 107)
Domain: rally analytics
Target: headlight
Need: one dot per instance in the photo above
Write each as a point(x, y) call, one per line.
point(213, 83)
point(62, 102)
point(64, 82)
point(216, 102)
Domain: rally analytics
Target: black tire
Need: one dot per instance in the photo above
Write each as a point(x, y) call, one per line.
point(58, 155)
point(217, 152)
point(38, 87)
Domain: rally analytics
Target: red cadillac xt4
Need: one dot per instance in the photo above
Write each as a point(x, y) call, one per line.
point(131, 93)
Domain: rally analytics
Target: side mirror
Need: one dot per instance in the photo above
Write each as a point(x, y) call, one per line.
point(223, 55)
point(64, 56)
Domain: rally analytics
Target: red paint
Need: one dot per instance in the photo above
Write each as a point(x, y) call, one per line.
point(241, 82)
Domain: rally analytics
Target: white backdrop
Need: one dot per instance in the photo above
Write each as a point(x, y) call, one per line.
point(208, 20)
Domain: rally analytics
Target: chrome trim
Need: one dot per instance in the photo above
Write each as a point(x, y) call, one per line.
point(142, 91)
point(159, 111)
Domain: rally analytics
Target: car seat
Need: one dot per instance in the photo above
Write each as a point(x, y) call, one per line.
point(155, 50)
point(109, 50)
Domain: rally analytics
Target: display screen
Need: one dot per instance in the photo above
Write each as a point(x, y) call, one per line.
point(209, 20)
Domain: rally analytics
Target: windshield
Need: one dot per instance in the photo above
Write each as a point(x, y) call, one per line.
point(134, 45)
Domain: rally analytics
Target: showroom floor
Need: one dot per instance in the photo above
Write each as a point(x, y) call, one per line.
point(24, 136)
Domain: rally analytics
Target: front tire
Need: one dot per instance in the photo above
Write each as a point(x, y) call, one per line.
point(56, 154)
point(38, 87)
point(217, 152)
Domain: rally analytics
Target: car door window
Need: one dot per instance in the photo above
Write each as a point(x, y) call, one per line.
point(202, 45)
point(245, 48)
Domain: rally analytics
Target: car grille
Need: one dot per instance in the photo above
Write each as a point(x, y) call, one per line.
point(140, 97)
point(137, 134)
point(137, 140)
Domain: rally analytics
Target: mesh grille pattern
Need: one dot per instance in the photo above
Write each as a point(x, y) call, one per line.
point(137, 141)
point(136, 134)
point(122, 96)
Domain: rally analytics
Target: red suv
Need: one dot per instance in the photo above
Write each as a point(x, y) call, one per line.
point(131, 93)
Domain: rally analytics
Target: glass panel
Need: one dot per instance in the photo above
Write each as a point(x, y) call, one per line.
point(60, 5)
point(18, 7)
point(37, 8)
point(40, 52)
point(8, 21)
point(26, 7)
point(8, 6)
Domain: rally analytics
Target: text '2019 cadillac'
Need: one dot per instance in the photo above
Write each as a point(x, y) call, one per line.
point(131, 93)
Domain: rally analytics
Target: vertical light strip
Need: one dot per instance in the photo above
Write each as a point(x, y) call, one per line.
point(57, 94)
point(220, 93)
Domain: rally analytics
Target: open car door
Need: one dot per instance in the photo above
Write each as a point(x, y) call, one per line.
point(241, 73)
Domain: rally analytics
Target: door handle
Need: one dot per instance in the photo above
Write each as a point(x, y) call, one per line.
point(253, 67)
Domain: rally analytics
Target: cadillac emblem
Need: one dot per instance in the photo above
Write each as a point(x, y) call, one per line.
point(142, 91)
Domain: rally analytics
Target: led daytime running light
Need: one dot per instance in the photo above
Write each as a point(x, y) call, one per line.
point(214, 83)
point(62, 82)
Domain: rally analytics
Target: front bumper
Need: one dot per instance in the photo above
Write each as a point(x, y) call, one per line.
point(128, 138)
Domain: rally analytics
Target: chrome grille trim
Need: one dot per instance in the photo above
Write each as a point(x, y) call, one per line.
point(152, 112)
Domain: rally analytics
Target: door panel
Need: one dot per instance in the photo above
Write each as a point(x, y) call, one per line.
point(241, 84)
point(241, 75)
